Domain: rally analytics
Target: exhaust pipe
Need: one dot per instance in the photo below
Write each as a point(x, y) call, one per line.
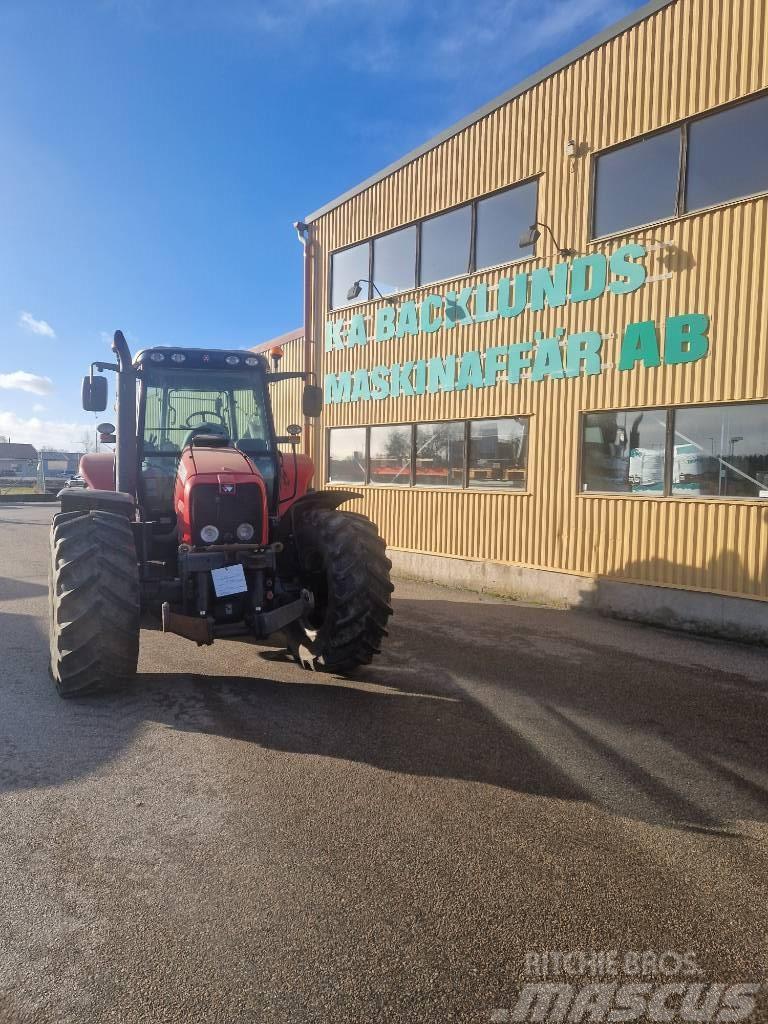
point(125, 449)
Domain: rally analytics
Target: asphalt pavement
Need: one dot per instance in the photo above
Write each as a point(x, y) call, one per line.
point(233, 839)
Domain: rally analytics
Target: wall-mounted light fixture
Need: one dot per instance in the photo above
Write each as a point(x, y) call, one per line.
point(532, 235)
point(571, 148)
point(356, 290)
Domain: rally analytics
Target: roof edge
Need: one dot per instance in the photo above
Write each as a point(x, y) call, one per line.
point(281, 339)
point(605, 36)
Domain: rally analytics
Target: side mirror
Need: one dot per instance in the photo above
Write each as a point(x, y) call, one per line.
point(312, 401)
point(106, 432)
point(94, 394)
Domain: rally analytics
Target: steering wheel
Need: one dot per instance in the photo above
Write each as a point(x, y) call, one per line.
point(217, 429)
point(204, 417)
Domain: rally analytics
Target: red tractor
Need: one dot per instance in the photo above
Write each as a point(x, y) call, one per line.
point(199, 517)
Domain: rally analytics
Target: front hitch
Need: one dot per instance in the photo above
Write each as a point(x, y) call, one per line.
point(266, 623)
point(193, 627)
point(202, 628)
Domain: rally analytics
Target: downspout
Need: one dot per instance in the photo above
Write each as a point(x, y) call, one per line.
point(303, 232)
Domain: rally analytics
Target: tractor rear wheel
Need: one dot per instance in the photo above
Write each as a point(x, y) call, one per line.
point(344, 565)
point(94, 601)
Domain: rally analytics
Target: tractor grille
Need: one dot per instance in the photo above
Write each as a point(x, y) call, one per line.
point(211, 508)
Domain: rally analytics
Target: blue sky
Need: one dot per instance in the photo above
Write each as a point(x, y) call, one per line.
point(154, 154)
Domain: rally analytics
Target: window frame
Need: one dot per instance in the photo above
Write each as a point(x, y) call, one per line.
point(468, 448)
point(668, 411)
point(327, 447)
point(682, 125)
point(389, 426)
point(464, 465)
point(761, 94)
point(434, 216)
point(528, 254)
point(500, 488)
point(369, 290)
point(679, 185)
point(667, 494)
point(372, 261)
point(418, 223)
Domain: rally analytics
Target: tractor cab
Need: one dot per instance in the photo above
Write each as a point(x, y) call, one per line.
point(194, 400)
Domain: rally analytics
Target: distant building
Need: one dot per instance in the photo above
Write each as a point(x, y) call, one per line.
point(60, 465)
point(18, 459)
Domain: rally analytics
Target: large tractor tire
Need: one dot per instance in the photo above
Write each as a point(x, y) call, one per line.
point(94, 602)
point(343, 564)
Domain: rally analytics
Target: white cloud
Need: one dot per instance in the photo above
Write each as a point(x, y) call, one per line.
point(20, 380)
point(45, 433)
point(29, 323)
point(38, 407)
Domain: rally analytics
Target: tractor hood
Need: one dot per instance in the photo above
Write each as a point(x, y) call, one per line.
point(198, 459)
point(218, 486)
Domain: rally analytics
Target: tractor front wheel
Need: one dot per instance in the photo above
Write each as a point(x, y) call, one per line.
point(344, 566)
point(94, 601)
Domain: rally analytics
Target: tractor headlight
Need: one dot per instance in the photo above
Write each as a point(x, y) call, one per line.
point(210, 534)
point(245, 532)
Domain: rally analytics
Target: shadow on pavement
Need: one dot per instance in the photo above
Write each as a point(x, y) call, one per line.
point(11, 589)
point(496, 694)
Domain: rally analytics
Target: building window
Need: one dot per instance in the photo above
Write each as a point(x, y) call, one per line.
point(721, 451)
point(439, 458)
point(725, 157)
point(501, 220)
point(728, 155)
point(498, 453)
point(637, 184)
point(711, 451)
point(346, 455)
point(496, 456)
point(483, 233)
point(390, 455)
point(394, 261)
point(445, 244)
point(624, 451)
point(347, 267)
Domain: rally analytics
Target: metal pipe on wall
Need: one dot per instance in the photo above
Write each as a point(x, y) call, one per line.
point(303, 232)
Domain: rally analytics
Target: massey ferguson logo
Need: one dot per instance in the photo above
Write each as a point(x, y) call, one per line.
point(226, 488)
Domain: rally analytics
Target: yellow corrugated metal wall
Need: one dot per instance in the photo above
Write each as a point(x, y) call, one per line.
point(689, 57)
point(286, 394)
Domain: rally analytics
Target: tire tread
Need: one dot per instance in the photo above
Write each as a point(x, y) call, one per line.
point(358, 575)
point(94, 601)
